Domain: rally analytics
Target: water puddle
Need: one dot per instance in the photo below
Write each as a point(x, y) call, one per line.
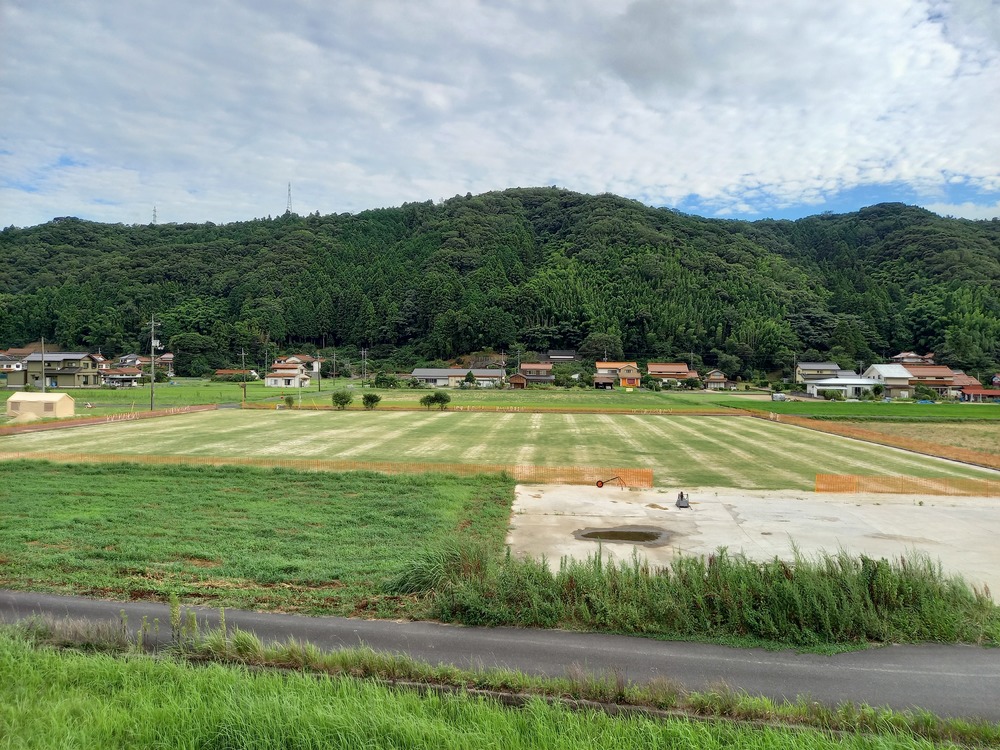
point(647, 536)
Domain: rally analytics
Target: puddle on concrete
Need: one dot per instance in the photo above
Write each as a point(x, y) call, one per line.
point(647, 536)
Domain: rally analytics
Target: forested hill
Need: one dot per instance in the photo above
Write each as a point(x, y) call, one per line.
point(536, 268)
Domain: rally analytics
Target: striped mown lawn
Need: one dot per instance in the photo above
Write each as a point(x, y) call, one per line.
point(681, 450)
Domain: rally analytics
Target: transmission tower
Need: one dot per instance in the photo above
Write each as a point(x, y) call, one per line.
point(154, 213)
point(288, 206)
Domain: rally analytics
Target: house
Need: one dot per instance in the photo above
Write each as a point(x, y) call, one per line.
point(978, 394)
point(62, 370)
point(537, 372)
point(912, 358)
point(102, 362)
point(895, 379)
point(938, 378)
point(626, 374)
point(716, 380)
point(809, 371)
point(287, 375)
point(455, 376)
point(851, 387)
point(29, 406)
point(678, 371)
point(518, 381)
point(10, 363)
point(121, 377)
point(164, 362)
point(996, 380)
point(961, 380)
point(310, 363)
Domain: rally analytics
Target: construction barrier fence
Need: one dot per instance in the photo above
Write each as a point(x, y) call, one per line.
point(125, 416)
point(954, 453)
point(623, 477)
point(900, 485)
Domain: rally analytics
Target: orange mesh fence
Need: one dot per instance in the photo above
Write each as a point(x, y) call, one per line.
point(127, 416)
point(965, 455)
point(899, 485)
point(631, 477)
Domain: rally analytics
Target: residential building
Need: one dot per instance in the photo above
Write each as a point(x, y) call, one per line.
point(978, 394)
point(121, 377)
point(664, 371)
point(164, 362)
point(62, 370)
point(537, 372)
point(894, 378)
point(851, 387)
point(912, 358)
point(716, 380)
point(10, 363)
point(455, 376)
point(938, 378)
point(287, 375)
point(309, 362)
point(626, 374)
point(806, 372)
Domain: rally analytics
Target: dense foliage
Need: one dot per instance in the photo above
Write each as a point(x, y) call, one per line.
point(526, 268)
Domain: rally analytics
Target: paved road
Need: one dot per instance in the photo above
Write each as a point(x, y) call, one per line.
point(957, 681)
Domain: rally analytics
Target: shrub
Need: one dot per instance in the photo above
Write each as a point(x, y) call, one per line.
point(370, 400)
point(342, 399)
point(427, 401)
point(442, 399)
point(289, 400)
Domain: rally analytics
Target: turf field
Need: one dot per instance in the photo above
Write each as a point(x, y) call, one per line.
point(686, 451)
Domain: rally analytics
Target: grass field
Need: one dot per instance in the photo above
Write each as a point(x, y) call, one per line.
point(978, 436)
point(872, 410)
point(682, 451)
point(58, 699)
point(241, 537)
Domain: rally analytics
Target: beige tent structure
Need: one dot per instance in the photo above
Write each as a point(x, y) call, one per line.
point(28, 406)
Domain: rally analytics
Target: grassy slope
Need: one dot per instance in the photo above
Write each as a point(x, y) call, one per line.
point(978, 436)
point(682, 451)
point(50, 699)
point(240, 537)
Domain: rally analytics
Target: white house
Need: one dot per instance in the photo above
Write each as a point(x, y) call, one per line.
point(851, 387)
point(455, 376)
point(287, 375)
point(895, 379)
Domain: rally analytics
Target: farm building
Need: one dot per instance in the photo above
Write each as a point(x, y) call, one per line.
point(40, 405)
point(454, 376)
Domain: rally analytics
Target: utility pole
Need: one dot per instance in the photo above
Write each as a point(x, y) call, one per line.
point(364, 366)
point(43, 366)
point(243, 366)
point(153, 343)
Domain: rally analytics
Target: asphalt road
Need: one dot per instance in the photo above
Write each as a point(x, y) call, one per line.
point(953, 681)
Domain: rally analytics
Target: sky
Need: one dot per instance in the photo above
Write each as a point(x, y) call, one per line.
point(208, 110)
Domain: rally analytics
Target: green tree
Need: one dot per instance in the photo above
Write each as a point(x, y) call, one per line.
point(342, 398)
point(370, 400)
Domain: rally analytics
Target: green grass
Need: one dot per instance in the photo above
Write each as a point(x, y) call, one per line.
point(829, 600)
point(685, 451)
point(53, 699)
point(249, 538)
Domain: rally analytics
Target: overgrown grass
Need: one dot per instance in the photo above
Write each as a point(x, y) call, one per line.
point(135, 701)
point(249, 538)
point(827, 600)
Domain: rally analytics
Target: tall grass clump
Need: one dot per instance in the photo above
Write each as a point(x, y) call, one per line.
point(829, 599)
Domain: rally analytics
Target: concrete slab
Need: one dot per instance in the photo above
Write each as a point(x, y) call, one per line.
point(960, 532)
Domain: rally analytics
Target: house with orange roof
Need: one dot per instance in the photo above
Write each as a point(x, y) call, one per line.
point(626, 374)
point(938, 378)
point(664, 371)
point(716, 380)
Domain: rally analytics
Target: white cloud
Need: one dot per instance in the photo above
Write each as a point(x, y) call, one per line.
point(209, 109)
point(968, 210)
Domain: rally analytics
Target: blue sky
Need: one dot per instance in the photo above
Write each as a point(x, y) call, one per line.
point(733, 109)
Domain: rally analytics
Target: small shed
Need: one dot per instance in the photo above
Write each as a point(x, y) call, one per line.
point(517, 381)
point(27, 406)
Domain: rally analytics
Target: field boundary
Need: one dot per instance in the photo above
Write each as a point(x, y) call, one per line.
point(125, 416)
point(953, 453)
point(627, 477)
point(900, 485)
point(700, 412)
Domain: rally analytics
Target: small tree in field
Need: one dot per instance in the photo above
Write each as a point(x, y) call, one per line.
point(442, 399)
point(428, 400)
point(342, 399)
point(470, 379)
point(370, 400)
point(289, 400)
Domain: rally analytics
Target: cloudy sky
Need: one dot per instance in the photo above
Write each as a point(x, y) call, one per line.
point(208, 109)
